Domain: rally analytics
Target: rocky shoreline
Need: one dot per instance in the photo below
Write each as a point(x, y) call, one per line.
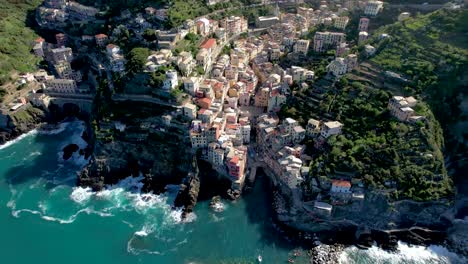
point(447, 231)
point(21, 122)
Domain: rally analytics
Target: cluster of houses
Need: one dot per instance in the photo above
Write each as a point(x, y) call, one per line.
point(59, 57)
point(279, 145)
point(53, 13)
point(402, 108)
point(239, 87)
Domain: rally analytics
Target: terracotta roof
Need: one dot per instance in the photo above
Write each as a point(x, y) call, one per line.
point(111, 46)
point(232, 126)
point(39, 40)
point(218, 86)
point(208, 44)
point(101, 36)
point(341, 183)
point(204, 100)
point(234, 160)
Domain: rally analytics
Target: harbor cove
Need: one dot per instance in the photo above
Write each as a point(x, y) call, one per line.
point(44, 216)
point(234, 131)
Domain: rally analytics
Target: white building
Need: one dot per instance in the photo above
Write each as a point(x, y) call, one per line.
point(246, 133)
point(313, 128)
point(302, 46)
point(403, 16)
point(61, 86)
point(191, 85)
point(373, 8)
point(300, 74)
point(190, 110)
point(401, 107)
point(298, 134)
point(326, 40)
point(331, 128)
point(171, 81)
point(338, 67)
point(62, 54)
point(116, 59)
point(341, 22)
point(362, 37)
point(370, 50)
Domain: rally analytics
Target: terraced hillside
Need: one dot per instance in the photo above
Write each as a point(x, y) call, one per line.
point(404, 159)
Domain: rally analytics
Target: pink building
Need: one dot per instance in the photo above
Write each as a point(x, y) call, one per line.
point(363, 24)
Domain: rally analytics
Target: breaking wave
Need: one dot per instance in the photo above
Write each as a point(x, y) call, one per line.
point(405, 254)
point(60, 128)
point(12, 142)
point(81, 195)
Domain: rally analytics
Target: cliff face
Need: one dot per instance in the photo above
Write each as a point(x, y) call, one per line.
point(376, 219)
point(138, 142)
point(23, 120)
point(163, 162)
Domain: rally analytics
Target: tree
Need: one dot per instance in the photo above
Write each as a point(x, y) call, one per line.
point(150, 35)
point(137, 58)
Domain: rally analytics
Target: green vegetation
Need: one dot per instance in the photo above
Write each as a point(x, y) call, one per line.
point(137, 58)
point(182, 10)
point(157, 78)
point(27, 115)
point(374, 147)
point(150, 34)
point(190, 43)
point(432, 51)
point(16, 37)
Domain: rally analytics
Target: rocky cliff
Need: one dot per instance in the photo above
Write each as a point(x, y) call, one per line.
point(13, 124)
point(138, 142)
point(375, 219)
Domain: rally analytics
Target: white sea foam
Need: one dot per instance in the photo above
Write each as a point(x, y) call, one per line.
point(71, 219)
point(145, 231)
point(78, 160)
point(35, 153)
point(141, 233)
point(81, 195)
point(218, 207)
point(11, 142)
point(127, 223)
point(61, 127)
point(405, 254)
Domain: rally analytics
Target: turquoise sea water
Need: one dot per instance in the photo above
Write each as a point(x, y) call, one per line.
point(44, 218)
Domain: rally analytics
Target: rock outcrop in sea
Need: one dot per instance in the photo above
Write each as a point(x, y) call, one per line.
point(188, 192)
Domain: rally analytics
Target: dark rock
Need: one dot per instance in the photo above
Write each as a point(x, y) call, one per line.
point(69, 150)
point(215, 200)
point(188, 192)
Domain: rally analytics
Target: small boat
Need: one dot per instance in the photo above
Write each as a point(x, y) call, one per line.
point(290, 261)
point(259, 258)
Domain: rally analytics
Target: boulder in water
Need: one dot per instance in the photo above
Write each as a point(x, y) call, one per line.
point(69, 150)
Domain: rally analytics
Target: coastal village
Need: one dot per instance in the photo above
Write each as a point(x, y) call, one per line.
point(226, 85)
